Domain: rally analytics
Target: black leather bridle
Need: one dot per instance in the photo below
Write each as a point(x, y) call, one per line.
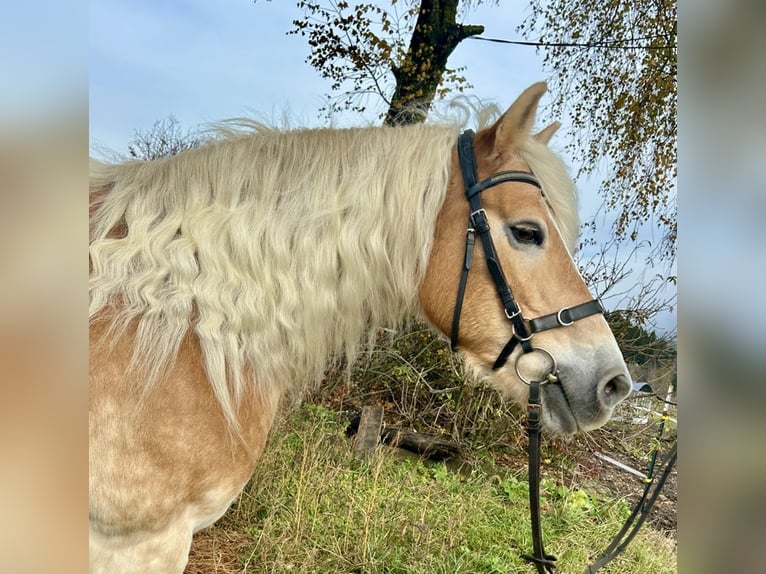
point(523, 329)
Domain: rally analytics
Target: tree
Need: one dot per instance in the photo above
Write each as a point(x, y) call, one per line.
point(639, 345)
point(362, 47)
point(613, 71)
point(434, 38)
point(164, 138)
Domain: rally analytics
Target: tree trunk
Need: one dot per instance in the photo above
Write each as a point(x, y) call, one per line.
point(435, 37)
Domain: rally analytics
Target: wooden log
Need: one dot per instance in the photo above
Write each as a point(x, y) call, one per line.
point(424, 444)
point(370, 424)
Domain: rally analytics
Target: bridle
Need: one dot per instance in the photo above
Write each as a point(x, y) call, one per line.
point(523, 329)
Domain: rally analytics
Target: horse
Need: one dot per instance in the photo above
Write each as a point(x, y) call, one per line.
point(224, 278)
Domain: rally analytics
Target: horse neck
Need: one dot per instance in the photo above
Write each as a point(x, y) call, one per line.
point(292, 247)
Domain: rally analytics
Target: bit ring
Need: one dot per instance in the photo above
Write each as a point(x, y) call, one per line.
point(551, 376)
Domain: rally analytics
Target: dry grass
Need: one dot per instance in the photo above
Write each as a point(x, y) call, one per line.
point(312, 508)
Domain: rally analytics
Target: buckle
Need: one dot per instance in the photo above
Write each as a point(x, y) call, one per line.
point(512, 316)
point(479, 220)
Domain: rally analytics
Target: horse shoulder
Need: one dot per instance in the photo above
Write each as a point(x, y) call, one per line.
point(163, 454)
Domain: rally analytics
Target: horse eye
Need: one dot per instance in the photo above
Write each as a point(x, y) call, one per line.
point(527, 234)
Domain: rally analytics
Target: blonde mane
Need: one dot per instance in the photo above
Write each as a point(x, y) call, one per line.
point(279, 249)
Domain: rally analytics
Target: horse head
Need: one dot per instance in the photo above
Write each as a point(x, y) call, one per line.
point(524, 239)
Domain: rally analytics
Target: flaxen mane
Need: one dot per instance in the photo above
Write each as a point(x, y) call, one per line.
point(279, 249)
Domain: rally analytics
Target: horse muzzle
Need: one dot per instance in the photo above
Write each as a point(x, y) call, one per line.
point(569, 406)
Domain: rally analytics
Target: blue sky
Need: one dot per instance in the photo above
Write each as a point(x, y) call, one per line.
point(204, 61)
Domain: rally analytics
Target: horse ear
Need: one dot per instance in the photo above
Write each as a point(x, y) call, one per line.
point(515, 125)
point(545, 135)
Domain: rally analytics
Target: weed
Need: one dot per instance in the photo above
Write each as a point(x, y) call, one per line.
point(311, 507)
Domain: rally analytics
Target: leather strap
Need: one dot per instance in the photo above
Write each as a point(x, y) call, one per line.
point(479, 224)
point(636, 518)
point(543, 562)
point(502, 358)
point(501, 177)
point(470, 240)
point(566, 316)
point(468, 169)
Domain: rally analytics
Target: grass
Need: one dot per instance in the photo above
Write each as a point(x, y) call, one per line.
point(312, 508)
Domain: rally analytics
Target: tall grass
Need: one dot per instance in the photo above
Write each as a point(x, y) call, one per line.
point(312, 508)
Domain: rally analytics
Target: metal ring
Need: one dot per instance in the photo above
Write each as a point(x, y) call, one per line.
point(560, 320)
point(522, 339)
point(554, 366)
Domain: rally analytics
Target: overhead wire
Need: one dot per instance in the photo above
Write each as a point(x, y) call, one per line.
point(614, 44)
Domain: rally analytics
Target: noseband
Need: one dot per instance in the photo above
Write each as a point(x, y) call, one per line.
point(523, 329)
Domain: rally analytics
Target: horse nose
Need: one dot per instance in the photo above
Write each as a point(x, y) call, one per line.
point(612, 391)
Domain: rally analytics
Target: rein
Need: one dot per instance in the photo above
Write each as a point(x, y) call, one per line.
point(645, 504)
point(543, 561)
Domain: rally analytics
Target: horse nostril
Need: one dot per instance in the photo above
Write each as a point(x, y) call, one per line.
point(614, 390)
